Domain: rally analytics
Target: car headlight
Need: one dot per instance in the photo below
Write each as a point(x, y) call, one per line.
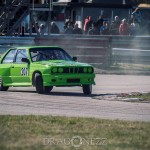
point(60, 70)
point(90, 70)
point(84, 70)
point(54, 70)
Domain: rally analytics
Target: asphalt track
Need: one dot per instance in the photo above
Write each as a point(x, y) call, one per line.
point(70, 101)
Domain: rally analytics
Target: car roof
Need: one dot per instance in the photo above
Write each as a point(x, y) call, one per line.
point(28, 47)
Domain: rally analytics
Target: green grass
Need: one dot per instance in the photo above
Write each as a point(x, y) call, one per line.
point(38, 132)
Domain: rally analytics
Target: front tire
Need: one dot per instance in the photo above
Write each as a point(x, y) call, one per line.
point(48, 89)
point(87, 89)
point(3, 88)
point(39, 83)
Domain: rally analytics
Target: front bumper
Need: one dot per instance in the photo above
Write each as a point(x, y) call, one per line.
point(68, 79)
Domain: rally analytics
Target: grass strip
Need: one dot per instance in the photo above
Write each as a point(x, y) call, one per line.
point(63, 133)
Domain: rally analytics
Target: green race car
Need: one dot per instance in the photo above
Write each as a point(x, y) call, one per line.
point(44, 67)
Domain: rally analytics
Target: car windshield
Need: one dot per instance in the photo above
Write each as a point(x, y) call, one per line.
point(49, 53)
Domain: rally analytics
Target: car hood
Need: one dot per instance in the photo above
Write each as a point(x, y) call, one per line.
point(61, 63)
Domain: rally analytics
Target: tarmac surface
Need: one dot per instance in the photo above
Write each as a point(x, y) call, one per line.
point(70, 101)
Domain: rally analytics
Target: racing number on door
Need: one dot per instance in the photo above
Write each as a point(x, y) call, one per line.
point(24, 71)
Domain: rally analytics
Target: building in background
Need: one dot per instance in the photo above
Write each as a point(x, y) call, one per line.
point(45, 11)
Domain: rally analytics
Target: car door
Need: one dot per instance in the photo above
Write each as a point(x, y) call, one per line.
point(6, 64)
point(20, 70)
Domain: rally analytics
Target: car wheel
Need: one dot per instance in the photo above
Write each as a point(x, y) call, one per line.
point(39, 83)
point(3, 88)
point(87, 89)
point(48, 89)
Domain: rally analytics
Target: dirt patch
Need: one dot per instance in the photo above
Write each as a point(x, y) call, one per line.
point(125, 97)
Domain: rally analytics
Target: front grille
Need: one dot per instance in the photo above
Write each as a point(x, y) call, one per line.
point(66, 70)
point(73, 80)
point(72, 70)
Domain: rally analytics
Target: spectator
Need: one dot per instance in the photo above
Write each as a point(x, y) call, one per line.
point(33, 28)
point(89, 24)
point(100, 21)
point(134, 28)
point(54, 28)
point(124, 28)
point(85, 24)
point(104, 30)
point(136, 15)
point(37, 25)
point(76, 29)
point(69, 29)
point(41, 28)
point(68, 21)
point(93, 30)
point(114, 29)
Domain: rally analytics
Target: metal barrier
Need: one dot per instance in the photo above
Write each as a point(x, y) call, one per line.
point(136, 56)
point(91, 49)
point(132, 42)
point(7, 42)
point(16, 40)
point(131, 49)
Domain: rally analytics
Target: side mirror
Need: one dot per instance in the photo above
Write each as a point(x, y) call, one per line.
point(74, 58)
point(25, 60)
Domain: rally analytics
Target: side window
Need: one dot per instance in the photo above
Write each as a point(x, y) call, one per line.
point(9, 57)
point(21, 54)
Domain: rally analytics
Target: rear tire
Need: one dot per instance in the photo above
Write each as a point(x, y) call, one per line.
point(3, 88)
point(39, 83)
point(87, 89)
